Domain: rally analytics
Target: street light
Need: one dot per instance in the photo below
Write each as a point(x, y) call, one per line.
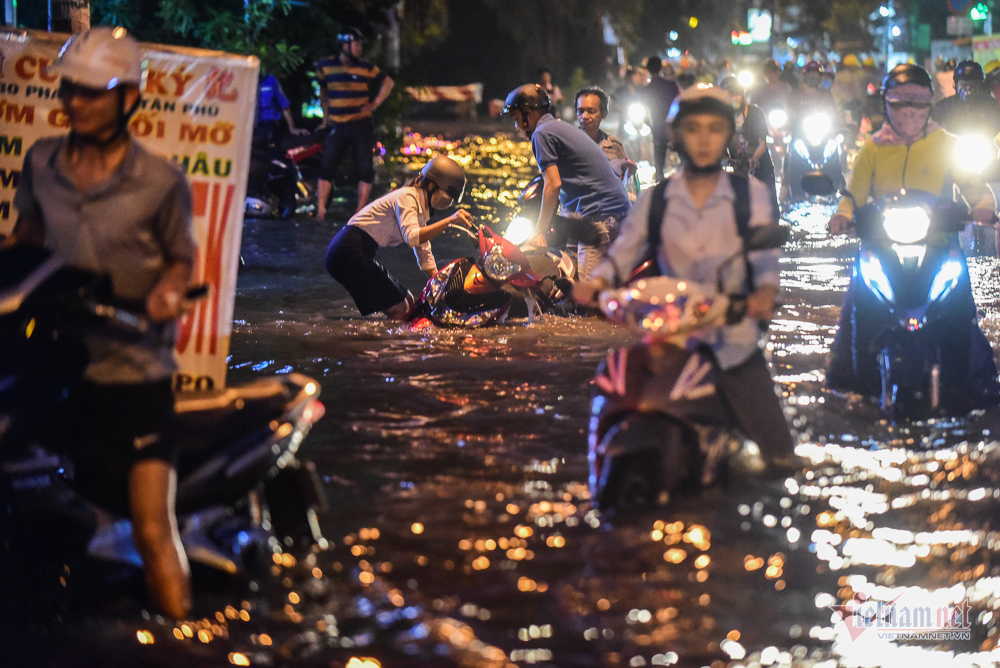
point(896, 31)
point(693, 22)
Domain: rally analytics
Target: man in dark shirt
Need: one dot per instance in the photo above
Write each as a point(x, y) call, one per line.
point(658, 95)
point(344, 83)
point(971, 110)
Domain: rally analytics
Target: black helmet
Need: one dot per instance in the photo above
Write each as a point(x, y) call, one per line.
point(350, 35)
point(528, 96)
point(447, 174)
point(702, 99)
point(906, 73)
point(771, 66)
point(969, 70)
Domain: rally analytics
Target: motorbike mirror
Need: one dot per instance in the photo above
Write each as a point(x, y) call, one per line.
point(818, 184)
point(765, 237)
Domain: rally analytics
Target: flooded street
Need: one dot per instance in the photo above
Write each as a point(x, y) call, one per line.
point(460, 529)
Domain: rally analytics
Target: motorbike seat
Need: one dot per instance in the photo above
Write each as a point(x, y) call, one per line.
point(214, 415)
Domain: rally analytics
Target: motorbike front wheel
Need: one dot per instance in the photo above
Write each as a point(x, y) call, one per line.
point(647, 456)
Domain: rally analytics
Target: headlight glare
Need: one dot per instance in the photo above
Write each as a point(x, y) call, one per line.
point(945, 280)
point(519, 230)
point(906, 225)
point(875, 278)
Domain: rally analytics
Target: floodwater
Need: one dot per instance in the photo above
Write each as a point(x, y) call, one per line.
point(460, 529)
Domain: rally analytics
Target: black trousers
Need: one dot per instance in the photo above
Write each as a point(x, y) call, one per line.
point(750, 393)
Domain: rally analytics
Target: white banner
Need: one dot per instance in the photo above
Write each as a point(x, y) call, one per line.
point(197, 109)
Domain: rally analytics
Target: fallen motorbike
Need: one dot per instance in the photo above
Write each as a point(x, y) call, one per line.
point(479, 291)
point(241, 491)
point(658, 426)
point(815, 147)
point(275, 184)
point(916, 347)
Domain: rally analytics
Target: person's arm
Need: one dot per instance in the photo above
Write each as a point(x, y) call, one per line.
point(428, 232)
point(28, 230)
point(859, 186)
point(323, 100)
point(766, 263)
point(383, 93)
point(166, 301)
point(175, 230)
point(287, 113)
point(550, 202)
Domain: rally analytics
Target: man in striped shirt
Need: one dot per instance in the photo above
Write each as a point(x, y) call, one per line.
point(345, 83)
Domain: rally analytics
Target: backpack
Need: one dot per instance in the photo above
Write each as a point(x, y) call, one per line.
point(741, 207)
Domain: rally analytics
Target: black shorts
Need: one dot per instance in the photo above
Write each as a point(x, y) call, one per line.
point(359, 137)
point(106, 429)
point(350, 259)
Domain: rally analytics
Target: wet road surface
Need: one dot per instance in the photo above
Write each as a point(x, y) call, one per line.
point(460, 528)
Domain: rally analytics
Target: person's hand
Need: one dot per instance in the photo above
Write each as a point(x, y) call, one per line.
point(754, 162)
point(760, 304)
point(300, 131)
point(585, 292)
point(166, 303)
point(460, 217)
point(368, 107)
point(839, 224)
point(984, 216)
point(538, 241)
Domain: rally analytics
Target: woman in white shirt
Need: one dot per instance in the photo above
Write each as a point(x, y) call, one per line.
point(400, 216)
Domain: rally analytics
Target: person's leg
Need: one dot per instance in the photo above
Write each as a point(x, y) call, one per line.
point(364, 142)
point(323, 188)
point(333, 153)
point(152, 487)
point(402, 309)
point(592, 248)
point(750, 393)
point(364, 194)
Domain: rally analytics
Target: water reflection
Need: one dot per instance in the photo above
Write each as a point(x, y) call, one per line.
point(462, 532)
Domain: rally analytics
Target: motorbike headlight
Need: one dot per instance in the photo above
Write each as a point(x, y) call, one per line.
point(645, 131)
point(519, 230)
point(945, 280)
point(875, 278)
point(630, 129)
point(637, 113)
point(801, 148)
point(830, 149)
point(906, 225)
point(777, 118)
point(974, 153)
point(816, 128)
point(497, 266)
point(745, 79)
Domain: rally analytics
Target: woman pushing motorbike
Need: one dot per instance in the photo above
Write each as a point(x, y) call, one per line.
point(705, 216)
point(910, 152)
point(399, 217)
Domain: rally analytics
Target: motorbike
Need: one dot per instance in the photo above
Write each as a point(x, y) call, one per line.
point(479, 291)
point(275, 184)
point(658, 427)
point(242, 492)
point(814, 147)
point(916, 348)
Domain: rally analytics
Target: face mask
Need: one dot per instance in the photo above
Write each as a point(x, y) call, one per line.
point(441, 200)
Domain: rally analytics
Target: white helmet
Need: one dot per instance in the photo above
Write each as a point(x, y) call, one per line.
point(101, 57)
